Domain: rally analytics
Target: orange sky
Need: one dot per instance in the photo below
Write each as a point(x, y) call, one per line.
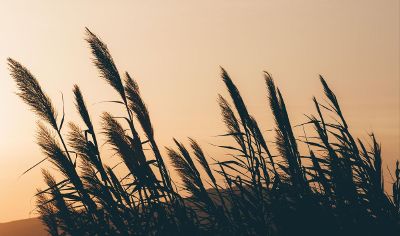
point(174, 49)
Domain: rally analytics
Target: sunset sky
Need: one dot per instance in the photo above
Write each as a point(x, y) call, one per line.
point(174, 50)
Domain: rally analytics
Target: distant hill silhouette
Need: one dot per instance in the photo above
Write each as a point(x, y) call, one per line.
point(24, 227)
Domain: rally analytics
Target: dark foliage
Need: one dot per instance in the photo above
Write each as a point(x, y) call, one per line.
point(334, 188)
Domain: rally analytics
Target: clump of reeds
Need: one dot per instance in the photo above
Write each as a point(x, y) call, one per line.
point(336, 188)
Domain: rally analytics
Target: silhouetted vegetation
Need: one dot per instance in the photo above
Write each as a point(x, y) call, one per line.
point(265, 187)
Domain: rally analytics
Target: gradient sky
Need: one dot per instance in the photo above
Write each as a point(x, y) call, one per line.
point(174, 50)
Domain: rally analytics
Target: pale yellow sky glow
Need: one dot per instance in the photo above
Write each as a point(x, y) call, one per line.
point(174, 50)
